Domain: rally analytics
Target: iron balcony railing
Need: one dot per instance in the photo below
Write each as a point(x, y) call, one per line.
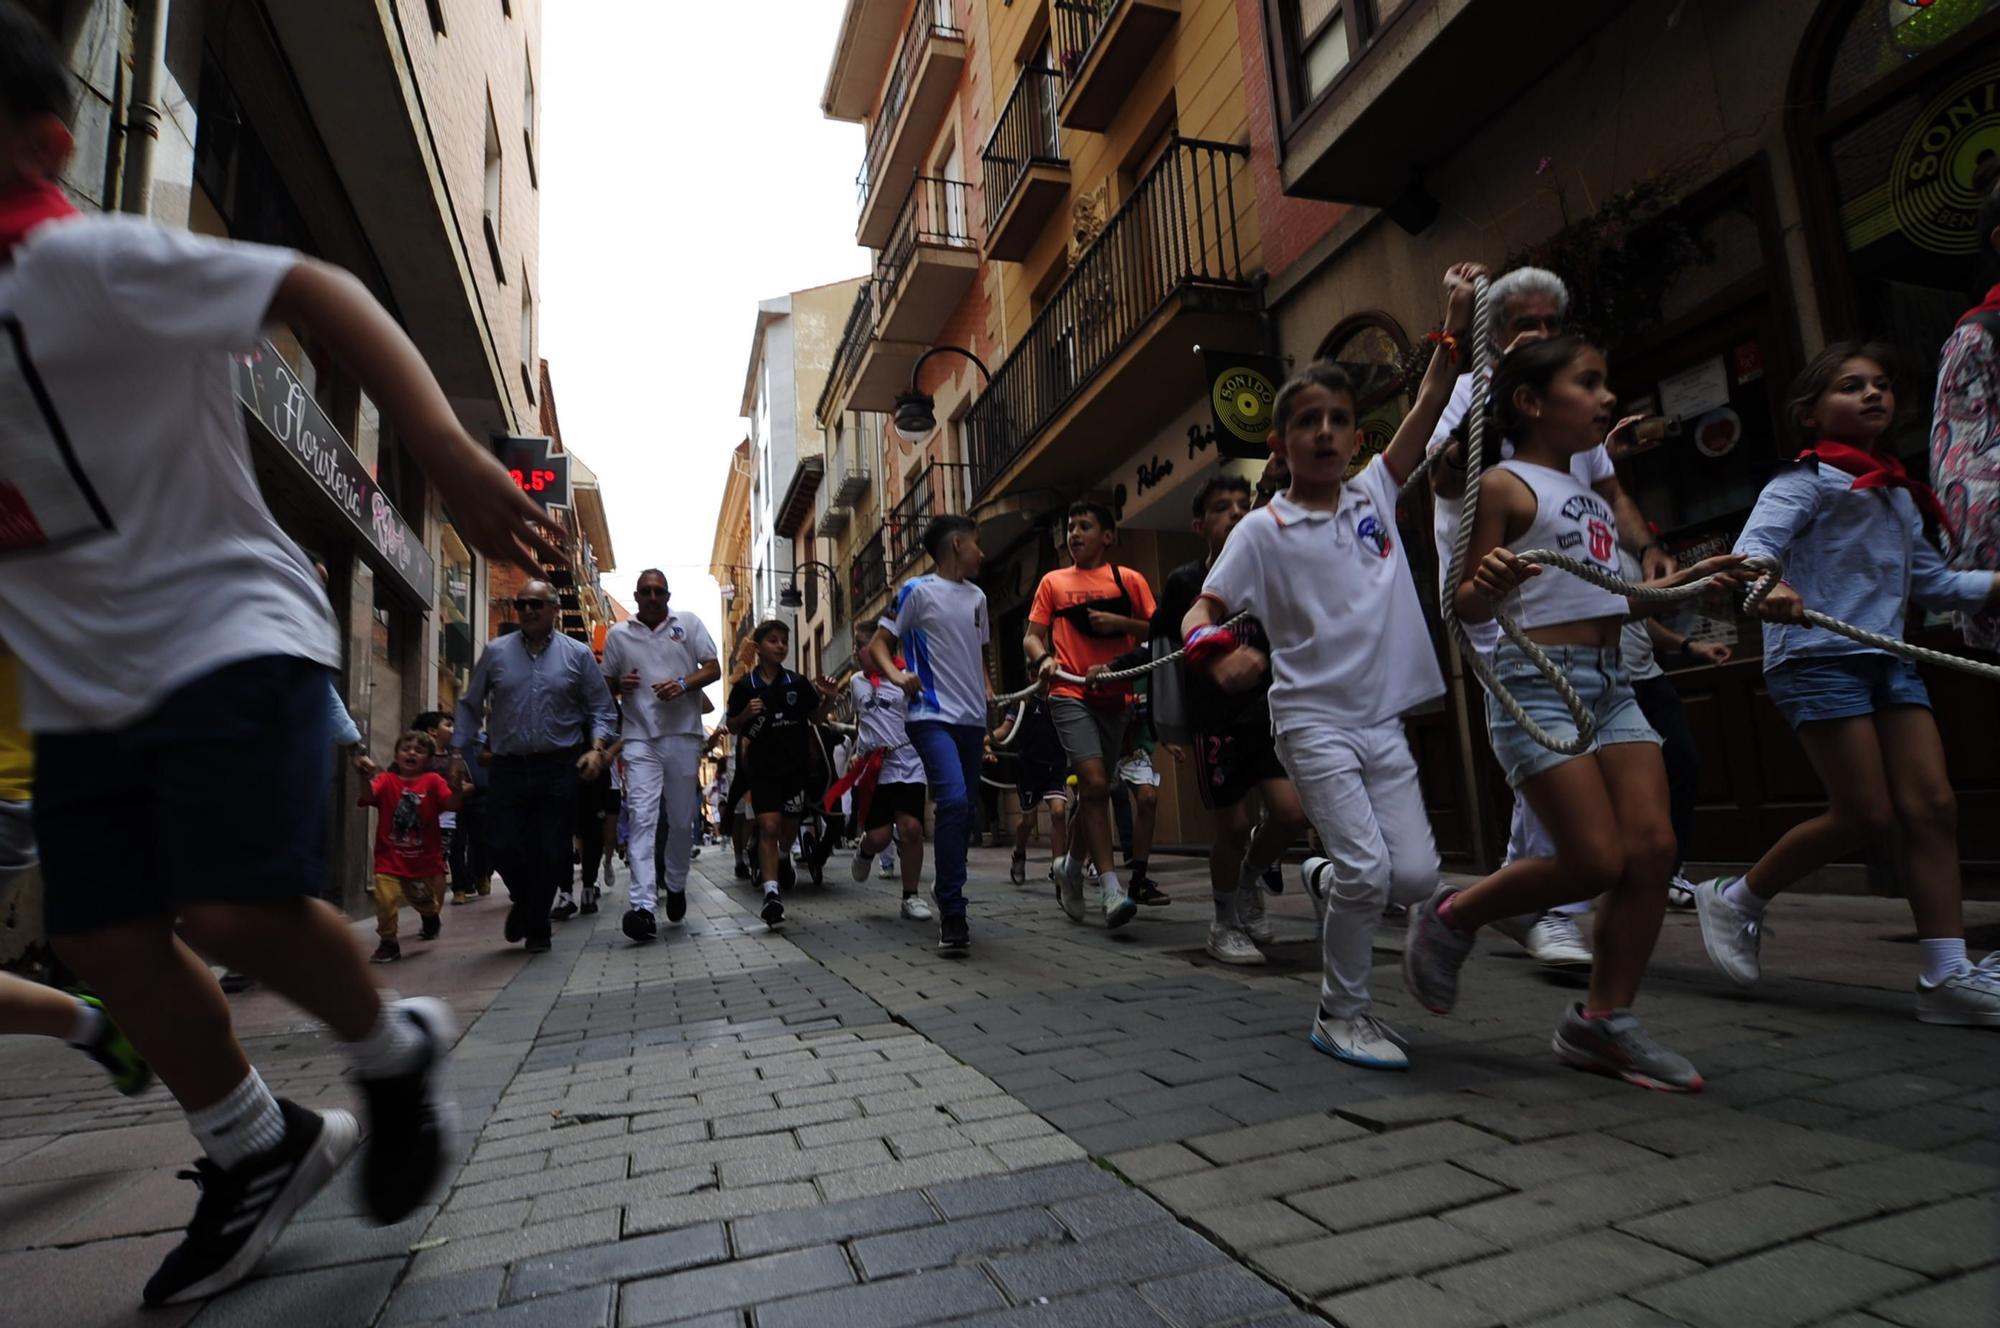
point(1177, 231)
point(1024, 134)
point(853, 344)
point(936, 213)
point(869, 576)
point(933, 20)
point(938, 489)
point(1078, 24)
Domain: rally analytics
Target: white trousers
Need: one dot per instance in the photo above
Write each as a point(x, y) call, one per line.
point(669, 765)
point(1361, 791)
point(1527, 837)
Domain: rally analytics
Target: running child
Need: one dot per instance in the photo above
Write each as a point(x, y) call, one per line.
point(1084, 616)
point(774, 708)
point(1040, 776)
point(1324, 570)
point(1848, 526)
point(1229, 733)
point(134, 512)
point(939, 622)
point(411, 800)
point(885, 777)
point(1606, 810)
point(447, 763)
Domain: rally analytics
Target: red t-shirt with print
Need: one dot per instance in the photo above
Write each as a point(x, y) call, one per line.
point(408, 843)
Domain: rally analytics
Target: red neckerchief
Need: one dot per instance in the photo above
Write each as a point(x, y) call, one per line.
point(866, 772)
point(875, 677)
point(22, 212)
point(1878, 470)
point(1991, 305)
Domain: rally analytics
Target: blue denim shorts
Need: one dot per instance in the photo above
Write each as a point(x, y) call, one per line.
point(1821, 687)
point(1599, 677)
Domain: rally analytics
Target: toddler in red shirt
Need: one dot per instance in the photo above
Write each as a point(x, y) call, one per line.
point(409, 841)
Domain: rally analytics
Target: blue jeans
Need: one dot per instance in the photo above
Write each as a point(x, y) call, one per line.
point(952, 755)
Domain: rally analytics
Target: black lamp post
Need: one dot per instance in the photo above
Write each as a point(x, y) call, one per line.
point(791, 597)
point(916, 412)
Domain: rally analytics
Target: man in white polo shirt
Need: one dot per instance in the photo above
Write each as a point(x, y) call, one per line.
point(658, 663)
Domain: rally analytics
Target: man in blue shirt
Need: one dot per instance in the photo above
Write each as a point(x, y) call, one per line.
point(550, 720)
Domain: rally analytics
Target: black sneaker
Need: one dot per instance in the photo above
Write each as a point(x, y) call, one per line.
point(564, 910)
point(774, 909)
point(589, 900)
point(388, 952)
point(1017, 869)
point(114, 1051)
point(538, 945)
point(234, 982)
point(411, 1122)
point(954, 937)
point(1274, 878)
point(639, 924)
point(1147, 891)
point(243, 1209)
point(742, 870)
point(677, 905)
point(788, 876)
point(516, 925)
point(432, 926)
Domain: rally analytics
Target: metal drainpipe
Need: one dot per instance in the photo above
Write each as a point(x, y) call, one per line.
point(143, 113)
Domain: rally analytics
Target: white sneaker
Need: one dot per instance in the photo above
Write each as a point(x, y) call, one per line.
point(1119, 907)
point(858, 869)
point(1069, 886)
point(1228, 945)
point(1363, 1040)
point(1556, 942)
point(915, 909)
point(1680, 893)
point(1731, 936)
point(1250, 916)
point(887, 862)
point(1990, 964)
point(1969, 999)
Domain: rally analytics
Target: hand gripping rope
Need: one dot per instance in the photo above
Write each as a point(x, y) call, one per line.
point(1205, 641)
point(1753, 595)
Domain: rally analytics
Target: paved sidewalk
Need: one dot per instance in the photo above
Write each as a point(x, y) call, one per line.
point(832, 1125)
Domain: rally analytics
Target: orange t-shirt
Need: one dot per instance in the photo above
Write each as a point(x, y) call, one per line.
point(1077, 651)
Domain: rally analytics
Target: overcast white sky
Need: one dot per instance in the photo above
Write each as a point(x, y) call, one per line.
point(686, 174)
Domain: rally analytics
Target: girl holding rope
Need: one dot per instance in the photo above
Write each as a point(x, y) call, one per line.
point(1848, 525)
point(1605, 808)
point(1324, 570)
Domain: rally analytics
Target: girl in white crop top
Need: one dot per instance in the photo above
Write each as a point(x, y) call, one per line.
point(1606, 809)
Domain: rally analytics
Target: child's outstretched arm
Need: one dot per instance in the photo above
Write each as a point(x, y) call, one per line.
point(1413, 435)
point(1786, 507)
point(487, 507)
point(1492, 571)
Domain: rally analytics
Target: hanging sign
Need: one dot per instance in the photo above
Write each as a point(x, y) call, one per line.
point(1241, 388)
point(540, 472)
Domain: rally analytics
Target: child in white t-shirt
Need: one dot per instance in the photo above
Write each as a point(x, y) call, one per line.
point(1323, 568)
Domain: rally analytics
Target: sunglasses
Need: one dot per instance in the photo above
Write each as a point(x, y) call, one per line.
point(526, 604)
point(649, 591)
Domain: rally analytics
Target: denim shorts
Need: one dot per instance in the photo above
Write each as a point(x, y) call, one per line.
point(1821, 687)
point(1599, 677)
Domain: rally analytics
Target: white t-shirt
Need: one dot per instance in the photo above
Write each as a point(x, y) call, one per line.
point(674, 649)
point(879, 708)
point(161, 562)
point(1592, 467)
point(940, 628)
point(1335, 595)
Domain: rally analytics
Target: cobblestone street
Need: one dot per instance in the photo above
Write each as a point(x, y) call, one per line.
point(833, 1126)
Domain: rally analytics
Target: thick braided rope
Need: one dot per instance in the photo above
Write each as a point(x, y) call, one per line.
point(1117, 675)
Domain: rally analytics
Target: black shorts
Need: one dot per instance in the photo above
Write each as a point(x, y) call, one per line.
point(1229, 764)
point(892, 800)
point(1035, 784)
point(778, 793)
point(596, 801)
point(218, 796)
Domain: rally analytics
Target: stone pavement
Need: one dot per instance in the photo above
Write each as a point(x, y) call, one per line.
point(833, 1125)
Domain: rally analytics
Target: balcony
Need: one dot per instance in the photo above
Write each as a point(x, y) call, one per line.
point(1103, 46)
point(913, 106)
point(797, 504)
point(1357, 99)
point(1026, 175)
point(939, 488)
point(851, 477)
point(1165, 275)
point(868, 575)
point(929, 262)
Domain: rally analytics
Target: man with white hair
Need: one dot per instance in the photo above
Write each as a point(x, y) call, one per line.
point(1529, 304)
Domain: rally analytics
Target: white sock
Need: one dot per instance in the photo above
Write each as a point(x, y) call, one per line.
point(1110, 880)
point(770, 888)
point(245, 1123)
point(89, 1026)
point(1943, 958)
point(1249, 877)
point(391, 1047)
point(1738, 893)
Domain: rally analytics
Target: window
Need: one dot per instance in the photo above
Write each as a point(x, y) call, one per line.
point(437, 16)
point(490, 208)
point(527, 336)
point(1320, 40)
point(528, 117)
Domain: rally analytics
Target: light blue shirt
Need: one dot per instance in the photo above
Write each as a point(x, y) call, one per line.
point(552, 702)
point(339, 722)
point(1854, 554)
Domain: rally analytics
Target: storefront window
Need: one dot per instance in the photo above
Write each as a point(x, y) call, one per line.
point(1372, 349)
point(1887, 34)
point(455, 629)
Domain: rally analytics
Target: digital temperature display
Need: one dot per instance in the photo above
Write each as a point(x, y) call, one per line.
point(537, 469)
point(536, 480)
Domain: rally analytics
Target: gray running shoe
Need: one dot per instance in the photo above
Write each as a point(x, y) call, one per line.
point(1250, 915)
point(1970, 999)
point(1432, 955)
point(1731, 936)
point(1622, 1048)
point(1227, 945)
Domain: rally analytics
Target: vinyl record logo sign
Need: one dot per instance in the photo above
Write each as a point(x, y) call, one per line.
point(1241, 388)
point(1930, 181)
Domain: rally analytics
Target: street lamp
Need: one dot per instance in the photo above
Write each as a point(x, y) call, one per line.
point(791, 597)
point(916, 412)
